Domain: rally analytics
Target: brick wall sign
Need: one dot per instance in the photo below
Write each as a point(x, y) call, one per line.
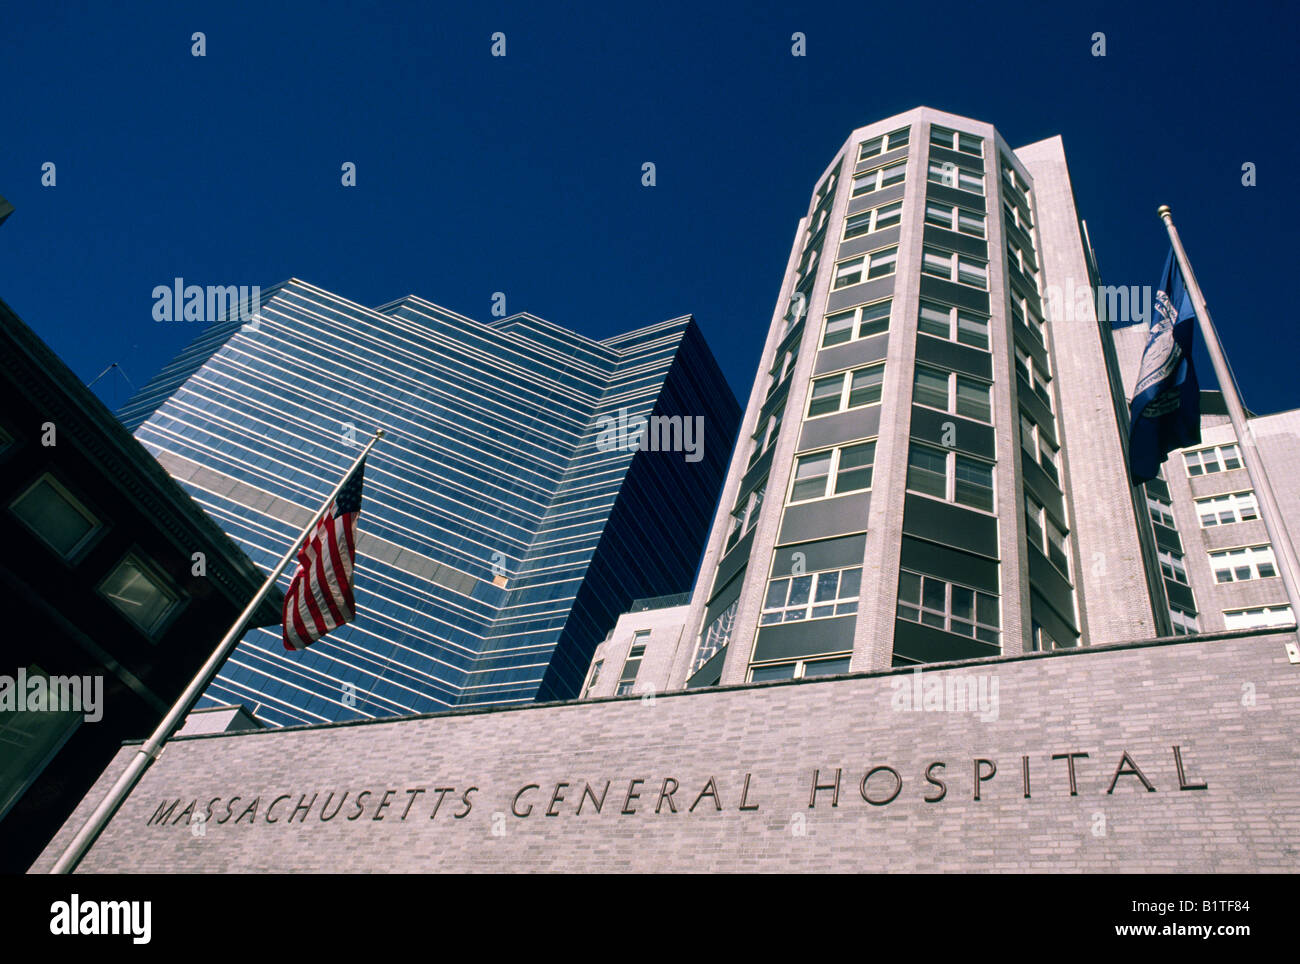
point(1157, 757)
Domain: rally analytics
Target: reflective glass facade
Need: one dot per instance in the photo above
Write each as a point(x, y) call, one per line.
point(503, 528)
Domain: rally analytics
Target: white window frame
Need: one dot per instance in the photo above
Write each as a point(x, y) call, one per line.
point(950, 174)
point(1237, 558)
point(840, 605)
point(866, 262)
point(1052, 468)
point(886, 143)
point(955, 317)
point(832, 473)
point(951, 403)
point(1217, 455)
point(800, 666)
point(856, 328)
point(942, 214)
point(1177, 564)
point(873, 220)
point(950, 477)
point(1276, 614)
point(955, 263)
point(951, 139)
point(1236, 501)
point(846, 390)
point(869, 182)
point(1161, 507)
point(1184, 623)
point(947, 614)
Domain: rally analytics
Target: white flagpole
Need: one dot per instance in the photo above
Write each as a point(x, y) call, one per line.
point(152, 747)
point(1283, 551)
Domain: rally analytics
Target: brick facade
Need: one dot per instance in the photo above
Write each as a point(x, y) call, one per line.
point(1231, 703)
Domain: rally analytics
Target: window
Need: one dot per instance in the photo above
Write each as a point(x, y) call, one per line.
point(935, 388)
point(811, 595)
point(852, 389)
point(949, 476)
point(1017, 217)
point(798, 669)
point(886, 142)
point(1034, 378)
point(956, 140)
point(1162, 512)
point(595, 674)
point(51, 511)
point(875, 264)
point(951, 266)
point(1239, 565)
point(1224, 510)
point(716, 636)
point(745, 516)
point(954, 175)
point(1038, 448)
point(765, 437)
point(879, 178)
point(1172, 566)
point(1034, 523)
point(877, 219)
point(138, 594)
point(1262, 616)
point(1022, 261)
point(952, 218)
point(784, 364)
point(863, 322)
point(1016, 183)
point(1185, 623)
point(1218, 458)
point(827, 187)
point(849, 465)
point(1042, 641)
point(1043, 533)
point(938, 320)
point(948, 606)
point(632, 664)
point(1022, 312)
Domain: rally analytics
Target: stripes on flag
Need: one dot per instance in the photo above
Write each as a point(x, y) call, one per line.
point(319, 598)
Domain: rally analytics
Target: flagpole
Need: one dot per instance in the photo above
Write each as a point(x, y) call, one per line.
point(152, 747)
point(1283, 551)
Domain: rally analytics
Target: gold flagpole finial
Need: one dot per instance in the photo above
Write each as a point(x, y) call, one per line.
point(1163, 211)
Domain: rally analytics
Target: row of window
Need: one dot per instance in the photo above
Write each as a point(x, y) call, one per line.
point(947, 475)
point(1048, 537)
point(1217, 458)
point(949, 606)
point(1238, 565)
point(952, 393)
point(1222, 510)
point(836, 471)
point(813, 595)
point(845, 390)
point(64, 524)
point(934, 318)
point(1039, 448)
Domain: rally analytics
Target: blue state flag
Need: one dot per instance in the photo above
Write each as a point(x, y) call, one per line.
point(1166, 406)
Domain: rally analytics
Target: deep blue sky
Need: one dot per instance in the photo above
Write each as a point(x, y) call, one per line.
point(522, 174)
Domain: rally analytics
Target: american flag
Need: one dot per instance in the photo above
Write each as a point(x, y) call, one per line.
point(320, 594)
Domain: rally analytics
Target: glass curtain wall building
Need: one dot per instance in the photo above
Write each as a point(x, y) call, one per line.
point(508, 517)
